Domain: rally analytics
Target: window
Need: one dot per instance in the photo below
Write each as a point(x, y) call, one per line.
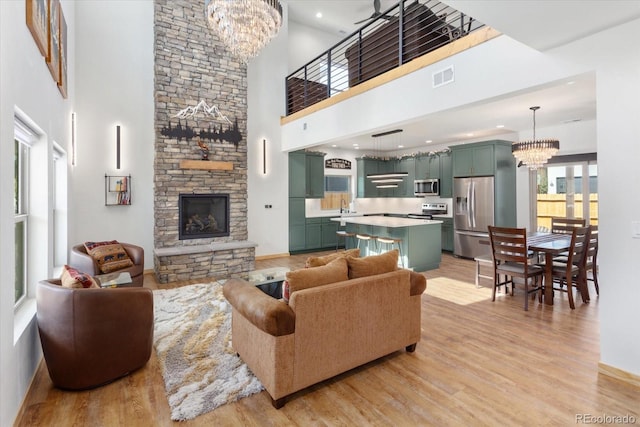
point(337, 192)
point(21, 215)
point(562, 191)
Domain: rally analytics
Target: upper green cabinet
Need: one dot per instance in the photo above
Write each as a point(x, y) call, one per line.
point(306, 175)
point(476, 160)
point(446, 175)
point(427, 167)
point(368, 188)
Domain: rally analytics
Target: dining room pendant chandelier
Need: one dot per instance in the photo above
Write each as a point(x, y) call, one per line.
point(244, 26)
point(536, 152)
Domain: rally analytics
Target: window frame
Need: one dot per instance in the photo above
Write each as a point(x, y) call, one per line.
point(21, 212)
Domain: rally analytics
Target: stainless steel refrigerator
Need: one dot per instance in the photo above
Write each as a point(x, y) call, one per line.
point(473, 212)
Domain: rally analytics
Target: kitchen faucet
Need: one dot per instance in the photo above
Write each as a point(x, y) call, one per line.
point(343, 202)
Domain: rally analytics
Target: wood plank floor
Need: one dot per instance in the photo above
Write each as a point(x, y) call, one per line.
point(478, 363)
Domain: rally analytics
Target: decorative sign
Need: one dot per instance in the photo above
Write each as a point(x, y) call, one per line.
point(231, 134)
point(337, 164)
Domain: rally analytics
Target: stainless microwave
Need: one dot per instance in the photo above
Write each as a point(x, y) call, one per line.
point(426, 187)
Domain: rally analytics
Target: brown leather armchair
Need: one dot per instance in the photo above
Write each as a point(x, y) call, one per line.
point(80, 260)
point(91, 337)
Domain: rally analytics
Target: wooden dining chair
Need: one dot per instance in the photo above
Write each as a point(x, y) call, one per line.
point(511, 260)
point(561, 225)
point(592, 258)
point(573, 272)
point(566, 225)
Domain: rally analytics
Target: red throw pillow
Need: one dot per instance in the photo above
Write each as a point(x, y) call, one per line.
point(72, 278)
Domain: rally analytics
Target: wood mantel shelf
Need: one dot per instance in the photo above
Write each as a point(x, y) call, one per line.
point(206, 165)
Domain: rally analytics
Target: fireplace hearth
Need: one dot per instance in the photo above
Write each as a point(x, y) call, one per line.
point(203, 216)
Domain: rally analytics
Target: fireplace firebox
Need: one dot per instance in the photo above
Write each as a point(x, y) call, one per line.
point(203, 216)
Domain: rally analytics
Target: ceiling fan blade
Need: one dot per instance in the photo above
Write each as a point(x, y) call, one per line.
point(364, 20)
point(376, 7)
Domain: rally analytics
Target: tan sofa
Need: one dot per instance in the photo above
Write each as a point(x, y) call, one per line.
point(325, 329)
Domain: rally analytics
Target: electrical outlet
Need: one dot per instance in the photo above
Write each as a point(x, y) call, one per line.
point(635, 229)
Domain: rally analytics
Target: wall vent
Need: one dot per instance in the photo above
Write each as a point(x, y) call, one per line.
point(443, 77)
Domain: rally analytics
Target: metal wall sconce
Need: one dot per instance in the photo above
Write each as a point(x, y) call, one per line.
point(264, 156)
point(73, 139)
point(118, 147)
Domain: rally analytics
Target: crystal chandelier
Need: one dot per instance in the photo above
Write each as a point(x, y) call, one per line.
point(535, 153)
point(244, 26)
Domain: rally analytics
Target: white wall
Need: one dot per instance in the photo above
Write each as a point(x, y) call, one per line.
point(114, 86)
point(306, 43)
point(269, 227)
point(26, 84)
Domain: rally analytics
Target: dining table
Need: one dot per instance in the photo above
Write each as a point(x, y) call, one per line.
point(551, 244)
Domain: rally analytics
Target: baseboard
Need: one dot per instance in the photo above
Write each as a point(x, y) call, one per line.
point(619, 374)
point(149, 271)
point(272, 256)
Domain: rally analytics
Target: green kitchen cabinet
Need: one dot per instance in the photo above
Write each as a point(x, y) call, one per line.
point(405, 188)
point(313, 233)
point(306, 175)
point(297, 224)
point(447, 234)
point(476, 160)
point(366, 188)
point(446, 175)
point(329, 237)
point(427, 167)
point(314, 178)
point(297, 174)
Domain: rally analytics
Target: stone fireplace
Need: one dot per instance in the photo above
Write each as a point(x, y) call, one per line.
point(192, 65)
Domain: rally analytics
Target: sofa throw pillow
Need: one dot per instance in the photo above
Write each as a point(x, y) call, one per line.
point(109, 255)
point(335, 271)
point(72, 278)
point(374, 264)
point(317, 261)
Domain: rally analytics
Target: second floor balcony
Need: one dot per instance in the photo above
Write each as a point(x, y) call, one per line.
point(407, 31)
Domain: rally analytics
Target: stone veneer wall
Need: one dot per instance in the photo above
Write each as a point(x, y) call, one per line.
point(191, 64)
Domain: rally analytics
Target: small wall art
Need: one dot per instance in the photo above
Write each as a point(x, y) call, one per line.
point(62, 81)
point(53, 57)
point(38, 23)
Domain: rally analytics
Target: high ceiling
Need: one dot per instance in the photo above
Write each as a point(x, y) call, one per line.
point(565, 101)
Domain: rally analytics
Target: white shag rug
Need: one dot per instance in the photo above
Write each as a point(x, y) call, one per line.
point(192, 338)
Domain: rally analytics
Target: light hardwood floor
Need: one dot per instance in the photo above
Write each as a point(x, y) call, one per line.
point(478, 363)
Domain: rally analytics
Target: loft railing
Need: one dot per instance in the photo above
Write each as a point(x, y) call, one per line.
point(406, 31)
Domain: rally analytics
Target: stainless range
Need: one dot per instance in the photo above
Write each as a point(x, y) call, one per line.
point(430, 209)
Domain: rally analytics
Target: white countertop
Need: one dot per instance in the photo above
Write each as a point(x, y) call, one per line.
point(386, 221)
point(442, 216)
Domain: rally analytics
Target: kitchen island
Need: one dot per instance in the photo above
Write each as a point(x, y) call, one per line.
point(421, 238)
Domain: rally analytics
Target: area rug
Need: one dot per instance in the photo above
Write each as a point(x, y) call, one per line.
point(192, 338)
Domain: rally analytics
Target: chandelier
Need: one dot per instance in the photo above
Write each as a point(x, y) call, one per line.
point(244, 26)
point(535, 153)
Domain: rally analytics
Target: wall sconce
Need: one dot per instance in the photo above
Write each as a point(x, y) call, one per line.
point(118, 147)
point(264, 156)
point(73, 139)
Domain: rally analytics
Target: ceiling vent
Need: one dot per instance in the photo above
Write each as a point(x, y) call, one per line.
point(443, 77)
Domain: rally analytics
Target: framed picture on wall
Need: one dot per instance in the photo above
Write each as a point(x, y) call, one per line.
point(38, 23)
point(53, 57)
point(62, 82)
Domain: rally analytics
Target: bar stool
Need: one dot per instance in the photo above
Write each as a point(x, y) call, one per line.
point(486, 260)
point(367, 239)
point(343, 234)
point(389, 242)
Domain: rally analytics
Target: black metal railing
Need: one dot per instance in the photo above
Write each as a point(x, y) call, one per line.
point(406, 31)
